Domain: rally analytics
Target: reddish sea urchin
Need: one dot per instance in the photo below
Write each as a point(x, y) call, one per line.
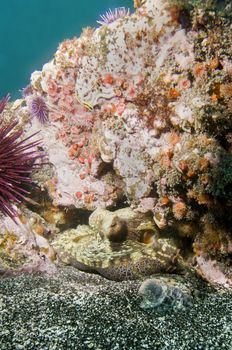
point(112, 16)
point(3, 102)
point(17, 160)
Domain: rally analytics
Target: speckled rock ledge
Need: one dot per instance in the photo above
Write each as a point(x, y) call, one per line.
point(74, 310)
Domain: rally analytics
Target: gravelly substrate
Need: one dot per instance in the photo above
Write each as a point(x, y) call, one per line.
point(74, 310)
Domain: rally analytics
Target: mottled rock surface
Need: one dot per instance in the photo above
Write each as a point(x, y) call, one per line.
point(165, 292)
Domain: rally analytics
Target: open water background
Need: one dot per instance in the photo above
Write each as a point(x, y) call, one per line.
point(30, 31)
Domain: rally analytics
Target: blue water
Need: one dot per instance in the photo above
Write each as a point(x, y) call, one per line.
point(30, 31)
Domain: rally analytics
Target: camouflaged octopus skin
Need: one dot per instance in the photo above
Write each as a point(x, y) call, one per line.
point(138, 251)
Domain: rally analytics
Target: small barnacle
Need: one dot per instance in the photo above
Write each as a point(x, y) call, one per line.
point(199, 18)
point(165, 163)
point(160, 220)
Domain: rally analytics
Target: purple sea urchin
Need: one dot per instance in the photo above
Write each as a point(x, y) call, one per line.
point(3, 102)
point(17, 160)
point(112, 16)
point(39, 109)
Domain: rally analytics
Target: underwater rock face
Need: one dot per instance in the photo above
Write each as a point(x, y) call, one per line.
point(165, 293)
point(98, 89)
point(24, 245)
point(139, 111)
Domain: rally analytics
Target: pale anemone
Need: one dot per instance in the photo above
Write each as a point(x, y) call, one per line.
point(111, 16)
point(27, 90)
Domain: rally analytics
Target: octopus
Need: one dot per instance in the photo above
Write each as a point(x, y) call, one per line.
point(119, 245)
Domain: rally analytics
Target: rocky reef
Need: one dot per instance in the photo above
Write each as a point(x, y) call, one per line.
point(134, 115)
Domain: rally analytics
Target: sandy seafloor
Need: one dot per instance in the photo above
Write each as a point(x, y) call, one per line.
point(75, 310)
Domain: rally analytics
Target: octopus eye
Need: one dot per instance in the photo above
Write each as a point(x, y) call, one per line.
point(147, 237)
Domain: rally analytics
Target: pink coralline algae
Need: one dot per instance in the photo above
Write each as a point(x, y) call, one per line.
point(138, 113)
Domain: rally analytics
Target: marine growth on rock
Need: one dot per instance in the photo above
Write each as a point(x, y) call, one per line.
point(138, 114)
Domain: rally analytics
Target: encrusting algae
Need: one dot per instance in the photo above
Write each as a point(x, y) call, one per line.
point(136, 114)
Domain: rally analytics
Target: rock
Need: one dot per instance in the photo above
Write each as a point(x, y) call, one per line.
point(164, 293)
point(24, 245)
point(213, 271)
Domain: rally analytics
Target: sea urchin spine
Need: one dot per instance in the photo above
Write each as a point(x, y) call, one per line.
point(3, 102)
point(17, 160)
